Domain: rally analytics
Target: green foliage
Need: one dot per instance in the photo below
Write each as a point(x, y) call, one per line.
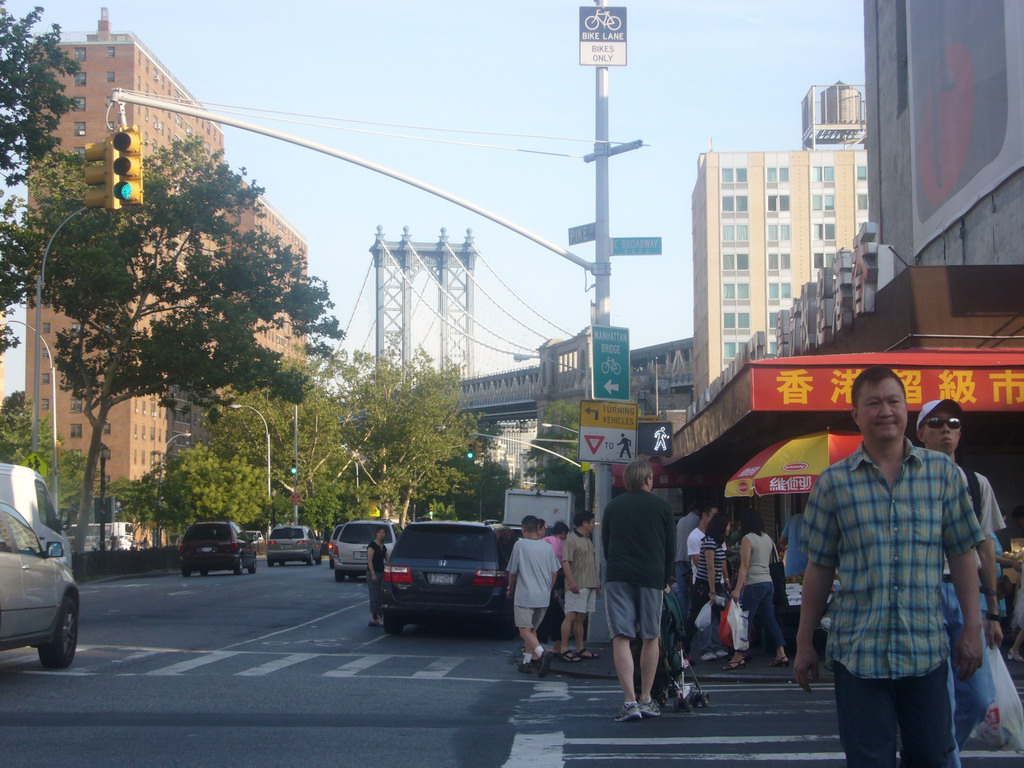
point(15, 428)
point(32, 99)
point(137, 498)
point(481, 493)
point(199, 485)
point(554, 474)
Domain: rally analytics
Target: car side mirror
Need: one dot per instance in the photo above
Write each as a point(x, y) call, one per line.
point(55, 549)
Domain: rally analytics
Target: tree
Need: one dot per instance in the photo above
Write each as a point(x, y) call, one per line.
point(201, 486)
point(170, 296)
point(403, 425)
point(554, 474)
point(15, 428)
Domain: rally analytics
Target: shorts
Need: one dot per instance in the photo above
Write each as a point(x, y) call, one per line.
point(584, 602)
point(633, 611)
point(528, 617)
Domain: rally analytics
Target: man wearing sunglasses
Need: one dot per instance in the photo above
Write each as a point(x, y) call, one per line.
point(939, 427)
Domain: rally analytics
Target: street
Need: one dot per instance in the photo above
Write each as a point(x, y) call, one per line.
point(280, 668)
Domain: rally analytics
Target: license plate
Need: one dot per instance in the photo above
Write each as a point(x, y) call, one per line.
point(360, 554)
point(206, 549)
point(444, 579)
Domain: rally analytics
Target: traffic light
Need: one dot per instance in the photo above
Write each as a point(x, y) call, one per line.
point(100, 178)
point(294, 471)
point(471, 450)
point(127, 144)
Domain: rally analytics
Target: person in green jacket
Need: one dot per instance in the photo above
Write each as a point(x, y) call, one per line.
point(639, 542)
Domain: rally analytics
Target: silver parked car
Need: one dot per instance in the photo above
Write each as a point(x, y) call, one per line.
point(348, 545)
point(293, 542)
point(38, 595)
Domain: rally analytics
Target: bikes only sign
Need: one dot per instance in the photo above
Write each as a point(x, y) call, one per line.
point(602, 37)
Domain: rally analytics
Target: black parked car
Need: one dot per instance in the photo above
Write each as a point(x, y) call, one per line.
point(216, 546)
point(441, 570)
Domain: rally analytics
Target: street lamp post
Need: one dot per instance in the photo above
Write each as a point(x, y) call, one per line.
point(266, 429)
point(104, 455)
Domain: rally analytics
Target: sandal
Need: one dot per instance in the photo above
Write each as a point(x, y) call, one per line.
point(783, 662)
point(734, 665)
point(569, 657)
point(586, 653)
point(1013, 656)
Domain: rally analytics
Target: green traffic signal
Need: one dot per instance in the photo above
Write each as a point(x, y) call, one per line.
point(293, 471)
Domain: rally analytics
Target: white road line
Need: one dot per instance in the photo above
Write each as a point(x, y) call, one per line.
point(297, 626)
point(354, 667)
point(140, 655)
point(441, 667)
point(551, 691)
point(187, 666)
point(537, 750)
point(276, 664)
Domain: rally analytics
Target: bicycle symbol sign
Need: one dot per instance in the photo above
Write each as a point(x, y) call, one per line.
point(602, 37)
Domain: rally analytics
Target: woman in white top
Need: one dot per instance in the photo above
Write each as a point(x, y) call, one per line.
point(754, 590)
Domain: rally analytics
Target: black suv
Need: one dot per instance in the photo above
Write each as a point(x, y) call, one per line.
point(449, 570)
point(216, 546)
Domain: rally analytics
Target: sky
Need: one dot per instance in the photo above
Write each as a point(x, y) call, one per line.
point(724, 74)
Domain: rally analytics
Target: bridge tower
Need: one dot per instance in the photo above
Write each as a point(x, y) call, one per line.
point(397, 265)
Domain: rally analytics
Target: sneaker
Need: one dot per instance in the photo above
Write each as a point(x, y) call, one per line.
point(721, 653)
point(545, 663)
point(648, 708)
point(525, 667)
point(630, 711)
point(708, 656)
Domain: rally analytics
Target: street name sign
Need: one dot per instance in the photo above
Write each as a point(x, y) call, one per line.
point(636, 246)
point(602, 37)
point(584, 233)
point(609, 352)
point(607, 432)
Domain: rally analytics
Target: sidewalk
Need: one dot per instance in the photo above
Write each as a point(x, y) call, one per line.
point(756, 669)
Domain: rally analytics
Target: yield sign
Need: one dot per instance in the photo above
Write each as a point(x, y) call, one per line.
point(594, 441)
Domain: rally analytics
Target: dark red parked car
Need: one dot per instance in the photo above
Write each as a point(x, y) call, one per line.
point(216, 546)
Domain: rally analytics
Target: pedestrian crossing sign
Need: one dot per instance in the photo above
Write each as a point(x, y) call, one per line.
point(36, 462)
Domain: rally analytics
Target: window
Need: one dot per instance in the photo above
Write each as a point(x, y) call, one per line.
point(830, 202)
point(862, 202)
point(772, 175)
point(728, 203)
point(773, 348)
point(824, 231)
point(79, 129)
point(729, 291)
point(79, 103)
point(76, 406)
point(783, 202)
point(829, 173)
point(773, 231)
point(728, 232)
point(742, 261)
point(728, 261)
point(46, 327)
point(784, 261)
point(742, 232)
point(773, 291)
point(773, 319)
point(816, 202)
point(862, 173)
point(729, 349)
point(727, 174)
point(784, 290)
point(742, 319)
point(830, 231)
point(111, 52)
point(741, 174)
point(783, 174)
point(106, 428)
point(816, 173)
point(110, 77)
point(79, 54)
point(152, 430)
point(81, 78)
point(741, 203)
point(784, 232)
point(729, 320)
point(46, 378)
point(76, 430)
point(773, 261)
point(44, 403)
point(742, 290)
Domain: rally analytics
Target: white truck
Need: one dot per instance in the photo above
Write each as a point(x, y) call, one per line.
point(550, 506)
point(26, 491)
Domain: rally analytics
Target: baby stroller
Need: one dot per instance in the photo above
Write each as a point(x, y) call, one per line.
point(670, 680)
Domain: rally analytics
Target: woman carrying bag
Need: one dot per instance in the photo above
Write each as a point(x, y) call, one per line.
point(754, 590)
point(711, 578)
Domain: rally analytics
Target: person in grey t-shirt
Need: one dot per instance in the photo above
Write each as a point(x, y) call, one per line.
point(683, 570)
point(531, 575)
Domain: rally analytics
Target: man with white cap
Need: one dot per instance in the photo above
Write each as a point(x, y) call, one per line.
point(939, 427)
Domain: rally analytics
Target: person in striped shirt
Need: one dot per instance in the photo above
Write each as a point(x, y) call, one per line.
point(883, 517)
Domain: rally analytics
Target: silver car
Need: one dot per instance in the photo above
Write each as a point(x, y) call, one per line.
point(348, 545)
point(293, 542)
point(38, 595)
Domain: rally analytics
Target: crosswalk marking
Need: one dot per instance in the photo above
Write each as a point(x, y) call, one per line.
point(354, 667)
point(439, 668)
point(276, 664)
point(186, 666)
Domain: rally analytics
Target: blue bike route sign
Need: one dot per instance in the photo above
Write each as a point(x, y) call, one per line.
point(602, 37)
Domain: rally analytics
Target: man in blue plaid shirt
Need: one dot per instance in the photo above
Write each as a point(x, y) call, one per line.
point(883, 517)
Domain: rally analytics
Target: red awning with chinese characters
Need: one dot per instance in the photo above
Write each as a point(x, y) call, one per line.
point(978, 379)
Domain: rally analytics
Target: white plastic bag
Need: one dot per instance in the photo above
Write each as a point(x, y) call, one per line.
point(1003, 725)
point(703, 620)
point(740, 627)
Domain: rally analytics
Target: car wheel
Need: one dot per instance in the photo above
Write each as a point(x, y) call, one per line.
point(319, 560)
point(339, 575)
point(186, 572)
point(237, 570)
point(252, 568)
point(203, 573)
point(393, 626)
point(330, 562)
point(309, 559)
point(60, 651)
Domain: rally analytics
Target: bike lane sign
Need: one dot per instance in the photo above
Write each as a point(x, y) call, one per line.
point(607, 432)
point(609, 353)
point(602, 37)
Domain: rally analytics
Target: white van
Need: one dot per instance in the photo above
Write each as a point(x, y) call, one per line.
point(26, 491)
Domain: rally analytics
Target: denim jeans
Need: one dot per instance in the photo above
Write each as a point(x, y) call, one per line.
point(757, 601)
point(870, 709)
point(968, 698)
